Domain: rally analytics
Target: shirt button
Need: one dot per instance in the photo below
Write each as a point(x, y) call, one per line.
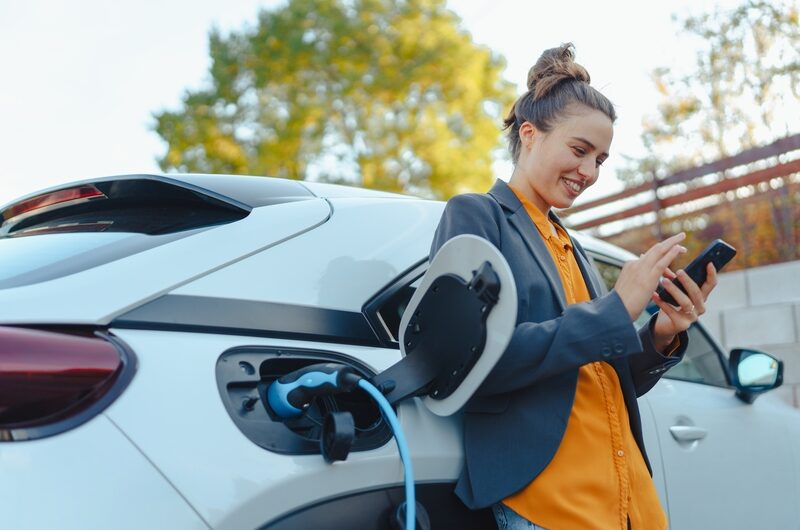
point(563, 257)
point(620, 453)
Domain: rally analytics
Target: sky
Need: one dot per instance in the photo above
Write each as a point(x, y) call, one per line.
point(81, 79)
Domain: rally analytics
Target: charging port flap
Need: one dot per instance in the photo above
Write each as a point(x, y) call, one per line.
point(467, 280)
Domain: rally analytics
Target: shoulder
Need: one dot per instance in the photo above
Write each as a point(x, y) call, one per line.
point(470, 213)
point(473, 204)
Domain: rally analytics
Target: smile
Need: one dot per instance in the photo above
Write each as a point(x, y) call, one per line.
point(571, 185)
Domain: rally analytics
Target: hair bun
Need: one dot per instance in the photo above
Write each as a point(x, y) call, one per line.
point(554, 66)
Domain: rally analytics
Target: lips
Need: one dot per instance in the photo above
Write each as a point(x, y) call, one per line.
point(573, 188)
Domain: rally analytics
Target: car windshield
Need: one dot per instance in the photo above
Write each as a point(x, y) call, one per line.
point(62, 232)
point(33, 259)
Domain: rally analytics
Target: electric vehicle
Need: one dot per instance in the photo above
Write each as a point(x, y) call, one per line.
point(143, 319)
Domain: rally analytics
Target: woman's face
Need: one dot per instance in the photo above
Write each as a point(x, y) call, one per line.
point(557, 166)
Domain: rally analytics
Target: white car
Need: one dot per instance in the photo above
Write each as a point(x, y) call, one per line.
point(142, 318)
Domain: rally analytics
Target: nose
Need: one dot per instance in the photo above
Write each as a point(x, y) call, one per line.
point(588, 170)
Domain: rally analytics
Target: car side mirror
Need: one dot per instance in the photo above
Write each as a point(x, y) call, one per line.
point(754, 372)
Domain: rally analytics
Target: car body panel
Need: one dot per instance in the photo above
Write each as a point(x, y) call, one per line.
point(338, 191)
point(89, 477)
point(319, 268)
point(229, 480)
point(652, 445)
point(739, 475)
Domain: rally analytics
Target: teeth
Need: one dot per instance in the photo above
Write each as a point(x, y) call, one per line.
point(575, 186)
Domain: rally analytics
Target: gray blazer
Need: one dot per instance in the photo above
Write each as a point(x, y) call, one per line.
point(514, 423)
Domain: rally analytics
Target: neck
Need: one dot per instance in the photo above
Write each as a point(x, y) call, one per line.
point(523, 184)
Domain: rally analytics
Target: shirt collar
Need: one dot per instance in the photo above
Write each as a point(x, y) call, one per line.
point(541, 221)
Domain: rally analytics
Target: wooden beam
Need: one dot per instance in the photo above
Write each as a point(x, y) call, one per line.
point(784, 145)
point(781, 170)
point(624, 194)
point(755, 177)
point(624, 214)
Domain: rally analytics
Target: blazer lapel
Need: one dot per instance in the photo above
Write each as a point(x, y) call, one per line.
point(523, 223)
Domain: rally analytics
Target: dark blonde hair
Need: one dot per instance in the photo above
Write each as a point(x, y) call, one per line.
point(555, 83)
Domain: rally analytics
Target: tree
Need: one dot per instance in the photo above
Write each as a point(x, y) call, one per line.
point(387, 94)
point(744, 89)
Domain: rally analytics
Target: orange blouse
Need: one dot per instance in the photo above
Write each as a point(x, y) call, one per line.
point(598, 478)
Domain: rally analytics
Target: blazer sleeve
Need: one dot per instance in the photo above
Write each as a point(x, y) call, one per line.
point(597, 330)
point(648, 367)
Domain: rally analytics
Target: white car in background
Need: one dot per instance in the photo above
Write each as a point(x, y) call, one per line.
point(143, 316)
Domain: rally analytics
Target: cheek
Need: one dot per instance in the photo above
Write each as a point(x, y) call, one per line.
point(569, 164)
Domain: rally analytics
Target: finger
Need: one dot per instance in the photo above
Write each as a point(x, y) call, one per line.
point(711, 280)
point(679, 318)
point(669, 274)
point(658, 250)
point(676, 315)
point(670, 242)
point(695, 294)
point(682, 300)
point(667, 258)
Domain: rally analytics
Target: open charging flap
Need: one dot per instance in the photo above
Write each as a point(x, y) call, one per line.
point(455, 328)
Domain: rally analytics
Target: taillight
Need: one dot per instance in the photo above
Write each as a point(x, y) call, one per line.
point(53, 381)
point(50, 199)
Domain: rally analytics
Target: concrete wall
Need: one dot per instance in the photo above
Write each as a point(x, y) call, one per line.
point(760, 308)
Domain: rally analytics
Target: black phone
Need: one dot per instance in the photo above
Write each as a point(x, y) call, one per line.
point(718, 252)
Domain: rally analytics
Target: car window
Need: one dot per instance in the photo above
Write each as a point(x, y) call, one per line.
point(69, 230)
point(701, 363)
point(40, 256)
point(608, 273)
point(385, 310)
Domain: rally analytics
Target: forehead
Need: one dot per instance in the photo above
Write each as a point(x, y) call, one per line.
point(587, 123)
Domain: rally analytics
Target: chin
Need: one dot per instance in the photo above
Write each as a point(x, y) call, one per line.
point(561, 204)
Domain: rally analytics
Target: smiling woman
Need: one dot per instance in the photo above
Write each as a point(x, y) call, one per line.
point(553, 436)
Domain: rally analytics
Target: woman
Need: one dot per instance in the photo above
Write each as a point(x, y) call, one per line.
point(553, 438)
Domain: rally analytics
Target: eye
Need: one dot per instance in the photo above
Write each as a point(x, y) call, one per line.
point(580, 151)
point(599, 162)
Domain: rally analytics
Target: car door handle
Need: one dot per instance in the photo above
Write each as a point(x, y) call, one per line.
point(687, 433)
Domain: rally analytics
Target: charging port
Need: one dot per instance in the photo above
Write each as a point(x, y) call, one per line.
point(243, 376)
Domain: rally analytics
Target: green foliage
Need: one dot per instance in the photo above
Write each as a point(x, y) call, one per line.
point(387, 94)
point(743, 91)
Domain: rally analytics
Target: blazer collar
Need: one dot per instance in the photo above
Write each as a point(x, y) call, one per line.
point(520, 219)
point(503, 193)
point(523, 223)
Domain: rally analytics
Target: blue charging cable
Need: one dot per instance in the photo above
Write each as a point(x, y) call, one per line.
point(291, 395)
point(391, 417)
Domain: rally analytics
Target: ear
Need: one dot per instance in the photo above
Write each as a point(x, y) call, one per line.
point(527, 132)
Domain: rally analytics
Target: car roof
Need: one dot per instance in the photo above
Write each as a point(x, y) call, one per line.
point(598, 246)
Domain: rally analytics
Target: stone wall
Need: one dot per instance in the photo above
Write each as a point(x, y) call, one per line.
point(759, 308)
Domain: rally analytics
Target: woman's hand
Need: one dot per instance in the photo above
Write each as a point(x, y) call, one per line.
point(639, 278)
point(671, 320)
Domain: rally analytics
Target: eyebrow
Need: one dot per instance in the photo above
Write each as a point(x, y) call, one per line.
point(587, 142)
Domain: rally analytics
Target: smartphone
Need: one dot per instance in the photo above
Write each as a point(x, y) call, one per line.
point(718, 252)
